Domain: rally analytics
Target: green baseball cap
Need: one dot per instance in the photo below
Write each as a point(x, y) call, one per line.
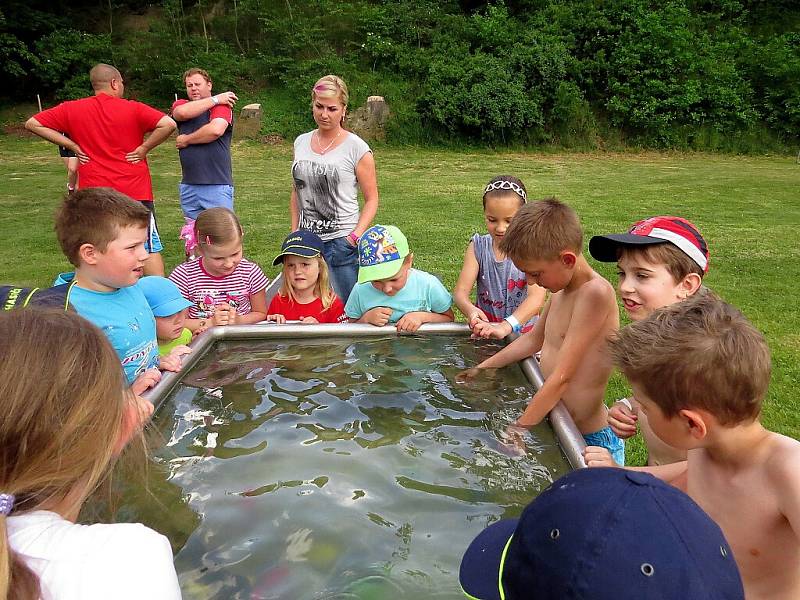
point(381, 251)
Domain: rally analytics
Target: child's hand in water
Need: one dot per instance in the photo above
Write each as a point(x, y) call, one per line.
point(597, 456)
point(224, 314)
point(378, 316)
point(145, 381)
point(279, 319)
point(498, 331)
point(622, 420)
point(468, 374)
point(514, 438)
point(172, 361)
point(309, 321)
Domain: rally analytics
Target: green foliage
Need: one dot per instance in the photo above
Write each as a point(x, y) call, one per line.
point(699, 74)
point(64, 58)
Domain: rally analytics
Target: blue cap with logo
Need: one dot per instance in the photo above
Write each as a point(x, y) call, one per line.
point(300, 243)
point(603, 534)
point(162, 295)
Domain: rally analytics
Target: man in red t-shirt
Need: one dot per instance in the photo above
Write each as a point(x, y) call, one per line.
point(106, 133)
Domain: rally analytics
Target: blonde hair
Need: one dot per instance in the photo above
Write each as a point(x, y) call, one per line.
point(542, 230)
point(331, 86)
point(701, 353)
point(322, 288)
point(95, 216)
point(217, 226)
point(64, 400)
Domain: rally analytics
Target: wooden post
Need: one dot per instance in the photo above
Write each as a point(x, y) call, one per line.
point(39, 100)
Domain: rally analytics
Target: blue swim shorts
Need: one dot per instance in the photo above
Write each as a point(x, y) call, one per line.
point(610, 441)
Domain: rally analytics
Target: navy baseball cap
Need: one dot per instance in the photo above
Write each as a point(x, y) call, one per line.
point(300, 243)
point(603, 533)
point(162, 295)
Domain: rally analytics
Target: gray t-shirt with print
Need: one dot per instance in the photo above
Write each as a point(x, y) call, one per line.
point(326, 185)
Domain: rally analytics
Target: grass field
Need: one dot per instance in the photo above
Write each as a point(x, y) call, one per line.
point(748, 209)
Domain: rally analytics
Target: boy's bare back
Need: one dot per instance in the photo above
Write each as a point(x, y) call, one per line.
point(576, 324)
point(756, 503)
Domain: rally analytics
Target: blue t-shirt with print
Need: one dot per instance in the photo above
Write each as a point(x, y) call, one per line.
point(422, 292)
point(125, 317)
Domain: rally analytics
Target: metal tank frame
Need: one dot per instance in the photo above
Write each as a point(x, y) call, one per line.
point(569, 438)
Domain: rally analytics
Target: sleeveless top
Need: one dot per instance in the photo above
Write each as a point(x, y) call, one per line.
point(502, 287)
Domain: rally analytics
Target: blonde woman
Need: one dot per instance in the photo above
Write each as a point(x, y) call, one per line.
point(330, 165)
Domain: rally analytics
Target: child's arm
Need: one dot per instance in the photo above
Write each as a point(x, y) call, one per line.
point(258, 310)
point(172, 361)
point(411, 321)
point(523, 347)
point(586, 325)
point(622, 417)
point(787, 484)
point(524, 313)
point(466, 281)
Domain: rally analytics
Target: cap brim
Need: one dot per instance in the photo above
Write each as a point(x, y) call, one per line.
point(304, 253)
point(605, 247)
point(169, 308)
point(479, 574)
point(380, 271)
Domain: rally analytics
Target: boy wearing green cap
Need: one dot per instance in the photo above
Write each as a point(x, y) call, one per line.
point(389, 291)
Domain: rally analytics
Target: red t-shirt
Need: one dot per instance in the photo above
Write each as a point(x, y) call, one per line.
point(107, 128)
point(294, 311)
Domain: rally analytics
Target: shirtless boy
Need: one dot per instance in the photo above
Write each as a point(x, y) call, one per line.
point(700, 371)
point(544, 241)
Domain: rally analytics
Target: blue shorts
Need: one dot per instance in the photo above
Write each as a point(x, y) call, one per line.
point(195, 198)
point(608, 440)
point(153, 242)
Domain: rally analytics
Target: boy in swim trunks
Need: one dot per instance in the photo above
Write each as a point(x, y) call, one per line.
point(544, 241)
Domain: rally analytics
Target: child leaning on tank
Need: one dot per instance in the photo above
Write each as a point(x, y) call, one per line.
point(504, 301)
point(544, 240)
point(660, 261)
point(702, 392)
point(103, 232)
point(389, 290)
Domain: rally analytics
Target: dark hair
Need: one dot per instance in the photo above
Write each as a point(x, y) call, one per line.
point(490, 193)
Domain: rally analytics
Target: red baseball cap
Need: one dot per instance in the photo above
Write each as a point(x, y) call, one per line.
point(655, 230)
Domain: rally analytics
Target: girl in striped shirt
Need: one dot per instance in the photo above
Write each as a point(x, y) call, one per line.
point(223, 287)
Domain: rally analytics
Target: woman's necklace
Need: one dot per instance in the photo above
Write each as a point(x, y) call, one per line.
point(328, 147)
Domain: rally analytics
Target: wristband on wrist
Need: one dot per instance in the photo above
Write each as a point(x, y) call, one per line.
point(626, 402)
point(515, 325)
point(353, 237)
point(215, 100)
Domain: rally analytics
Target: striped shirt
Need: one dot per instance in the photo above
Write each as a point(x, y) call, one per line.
point(205, 291)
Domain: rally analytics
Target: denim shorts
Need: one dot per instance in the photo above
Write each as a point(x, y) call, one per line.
point(608, 440)
point(196, 198)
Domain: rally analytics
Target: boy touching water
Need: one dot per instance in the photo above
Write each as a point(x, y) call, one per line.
point(700, 371)
point(544, 240)
point(389, 291)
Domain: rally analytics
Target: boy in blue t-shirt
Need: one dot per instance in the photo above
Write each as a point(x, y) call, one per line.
point(389, 290)
point(102, 232)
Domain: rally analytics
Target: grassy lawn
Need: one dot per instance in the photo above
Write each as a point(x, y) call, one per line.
point(747, 208)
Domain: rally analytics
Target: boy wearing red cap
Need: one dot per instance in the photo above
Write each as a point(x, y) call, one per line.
point(660, 260)
point(700, 372)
